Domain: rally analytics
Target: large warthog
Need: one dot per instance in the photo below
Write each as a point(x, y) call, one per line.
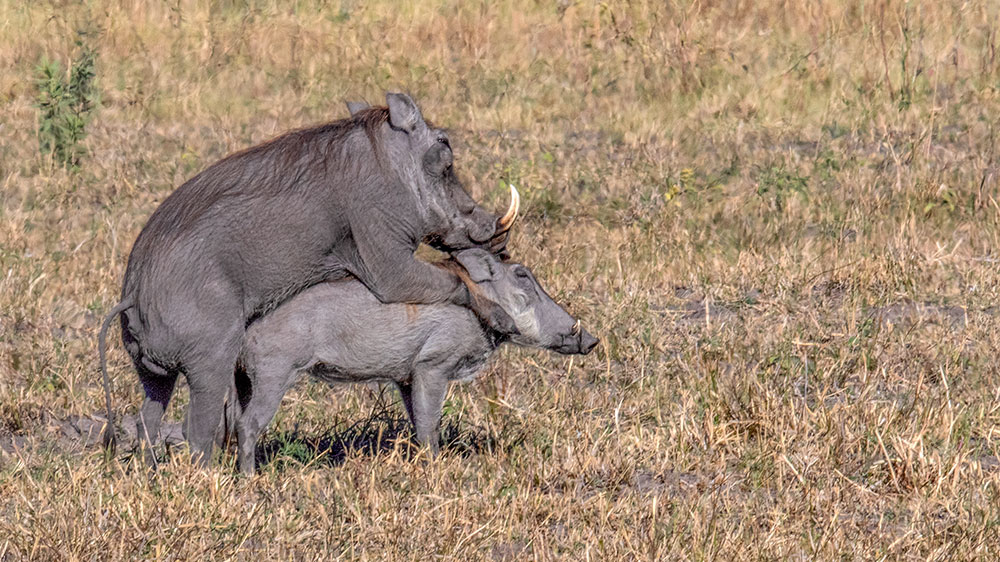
point(353, 197)
point(339, 332)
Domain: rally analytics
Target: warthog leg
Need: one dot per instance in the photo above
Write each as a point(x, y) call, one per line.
point(274, 378)
point(209, 375)
point(159, 388)
point(423, 398)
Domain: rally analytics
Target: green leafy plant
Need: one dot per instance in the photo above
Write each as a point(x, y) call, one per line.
point(65, 102)
point(778, 183)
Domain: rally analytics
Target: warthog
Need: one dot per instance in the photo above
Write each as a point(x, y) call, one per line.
point(339, 332)
point(353, 197)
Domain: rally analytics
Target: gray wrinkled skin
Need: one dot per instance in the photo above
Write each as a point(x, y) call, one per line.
point(353, 197)
point(338, 332)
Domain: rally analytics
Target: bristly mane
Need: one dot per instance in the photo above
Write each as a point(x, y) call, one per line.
point(290, 143)
point(450, 265)
point(479, 299)
point(371, 119)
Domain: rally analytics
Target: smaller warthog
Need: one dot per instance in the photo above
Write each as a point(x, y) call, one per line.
point(339, 332)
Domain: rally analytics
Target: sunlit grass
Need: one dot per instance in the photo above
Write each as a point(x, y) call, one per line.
point(781, 222)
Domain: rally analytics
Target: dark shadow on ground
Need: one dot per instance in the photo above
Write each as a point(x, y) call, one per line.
point(378, 433)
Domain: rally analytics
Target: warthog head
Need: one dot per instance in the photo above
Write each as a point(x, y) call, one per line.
point(422, 157)
point(541, 321)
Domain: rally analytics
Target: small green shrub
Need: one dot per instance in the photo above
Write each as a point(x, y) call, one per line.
point(65, 103)
point(777, 184)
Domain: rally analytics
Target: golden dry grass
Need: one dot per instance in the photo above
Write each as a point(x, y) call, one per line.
point(781, 221)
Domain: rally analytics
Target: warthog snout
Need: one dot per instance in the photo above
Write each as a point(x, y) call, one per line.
point(578, 341)
point(474, 226)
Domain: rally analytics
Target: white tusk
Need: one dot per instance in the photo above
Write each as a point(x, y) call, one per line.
point(576, 328)
point(508, 219)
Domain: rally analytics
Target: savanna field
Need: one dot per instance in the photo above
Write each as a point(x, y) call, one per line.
point(781, 220)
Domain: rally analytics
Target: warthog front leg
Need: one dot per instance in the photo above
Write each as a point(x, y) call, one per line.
point(424, 398)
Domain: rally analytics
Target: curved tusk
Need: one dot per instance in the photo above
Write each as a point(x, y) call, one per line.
point(576, 328)
point(507, 221)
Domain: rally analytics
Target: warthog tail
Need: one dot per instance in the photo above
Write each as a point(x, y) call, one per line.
point(109, 429)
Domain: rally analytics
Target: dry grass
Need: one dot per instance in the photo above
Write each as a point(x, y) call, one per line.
point(781, 221)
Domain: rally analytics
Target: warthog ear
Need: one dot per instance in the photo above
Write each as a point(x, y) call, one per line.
point(479, 264)
point(355, 106)
point(403, 113)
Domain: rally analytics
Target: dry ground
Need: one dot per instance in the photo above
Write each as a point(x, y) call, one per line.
point(782, 221)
